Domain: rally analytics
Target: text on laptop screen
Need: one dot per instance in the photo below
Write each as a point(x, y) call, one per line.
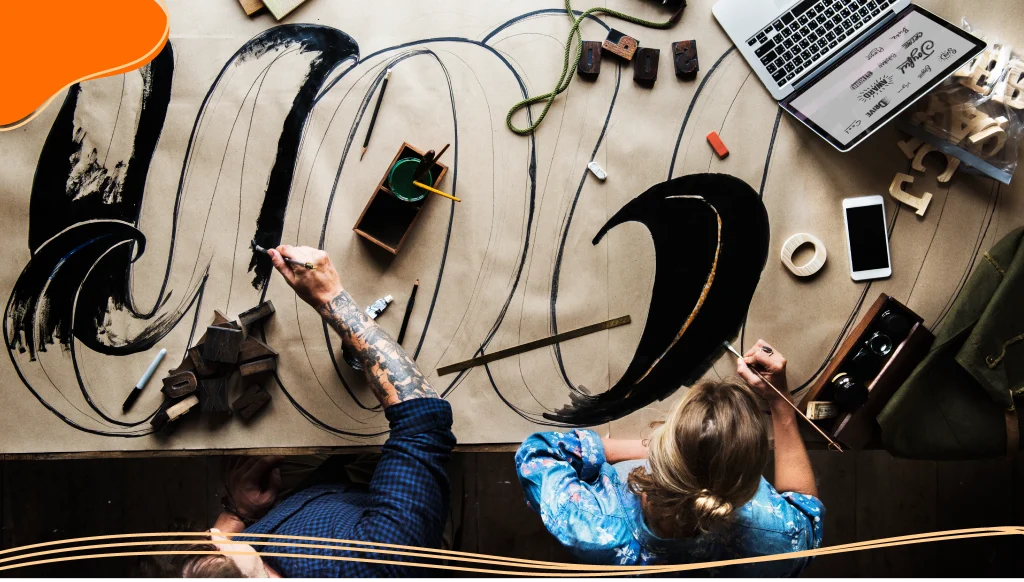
point(880, 76)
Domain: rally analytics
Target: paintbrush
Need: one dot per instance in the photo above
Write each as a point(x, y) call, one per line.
point(376, 109)
point(288, 260)
point(408, 311)
point(428, 161)
point(436, 191)
point(833, 443)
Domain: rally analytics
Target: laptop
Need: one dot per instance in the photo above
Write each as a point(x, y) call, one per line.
point(845, 68)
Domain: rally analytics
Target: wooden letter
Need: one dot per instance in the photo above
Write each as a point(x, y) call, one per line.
point(254, 349)
point(222, 344)
point(987, 68)
point(909, 146)
point(620, 44)
point(897, 192)
point(590, 60)
point(1011, 91)
point(200, 365)
point(645, 66)
point(989, 142)
point(257, 367)
point(180, 385)
point(811, 267)
point(251, 402)
point(684, 56)
point(256, 314)
point(214, 395)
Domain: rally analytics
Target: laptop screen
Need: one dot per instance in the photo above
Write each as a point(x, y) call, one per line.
point(884, 74)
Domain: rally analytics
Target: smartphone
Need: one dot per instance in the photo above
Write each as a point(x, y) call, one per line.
point(867, 238)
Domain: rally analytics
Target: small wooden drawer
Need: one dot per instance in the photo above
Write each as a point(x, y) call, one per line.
point(387, 221)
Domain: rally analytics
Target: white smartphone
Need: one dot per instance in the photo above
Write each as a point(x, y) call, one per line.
point(867, 238)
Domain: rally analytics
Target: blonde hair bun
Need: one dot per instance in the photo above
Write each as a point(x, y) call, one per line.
point(710, 507)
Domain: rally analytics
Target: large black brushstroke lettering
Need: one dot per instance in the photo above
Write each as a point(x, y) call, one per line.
point(707, 229)
point(333, 47)
point(84, 216)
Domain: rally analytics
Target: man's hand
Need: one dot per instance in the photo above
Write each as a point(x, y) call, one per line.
point(253, 484)
point(771, 364)
point(314, 286)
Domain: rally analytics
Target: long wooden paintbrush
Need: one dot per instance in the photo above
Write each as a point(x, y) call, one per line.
point(288, 260)
point(376, 109)
point(428, 161)
point(833, 443)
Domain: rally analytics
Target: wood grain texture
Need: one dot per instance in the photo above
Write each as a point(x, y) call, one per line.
point(281, 8)
point(251, 6)
point(896, 497)
point(811, 267)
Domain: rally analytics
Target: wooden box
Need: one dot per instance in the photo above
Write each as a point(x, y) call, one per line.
point(386, 221)
point(858, 427)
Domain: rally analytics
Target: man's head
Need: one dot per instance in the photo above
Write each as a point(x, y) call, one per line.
point(241, 562)
point(706, 460)
point(188, 565)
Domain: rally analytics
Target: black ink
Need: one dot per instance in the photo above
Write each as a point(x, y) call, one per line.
point(333, 47)
point(882, 104)
point(875, 88)
point(708, 229)
point(921, 53)
point(856, 84)
point(910, 42)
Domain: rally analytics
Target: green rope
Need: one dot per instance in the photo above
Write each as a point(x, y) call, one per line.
point(566, 77)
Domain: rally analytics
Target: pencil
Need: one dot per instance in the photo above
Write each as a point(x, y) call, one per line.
point(408, 311)
point(376, 108)
point(436, 191)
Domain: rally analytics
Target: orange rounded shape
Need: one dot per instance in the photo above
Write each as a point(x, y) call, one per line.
point(47, 46)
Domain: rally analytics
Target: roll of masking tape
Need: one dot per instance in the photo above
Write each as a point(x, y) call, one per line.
point(812, 266)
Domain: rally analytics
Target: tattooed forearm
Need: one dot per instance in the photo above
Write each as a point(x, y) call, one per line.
point(393, 375)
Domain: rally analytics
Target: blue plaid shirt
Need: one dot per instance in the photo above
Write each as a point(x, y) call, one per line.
point(406, 502)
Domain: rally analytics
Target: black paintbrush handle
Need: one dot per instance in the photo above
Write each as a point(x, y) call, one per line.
point(376, 108)
point(408, 312)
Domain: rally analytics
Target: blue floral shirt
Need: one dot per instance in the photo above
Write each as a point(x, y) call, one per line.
point(584, 502)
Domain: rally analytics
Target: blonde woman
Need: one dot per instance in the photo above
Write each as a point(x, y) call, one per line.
point(694, 493)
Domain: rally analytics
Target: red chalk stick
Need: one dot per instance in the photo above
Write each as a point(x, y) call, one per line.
point(717, 143)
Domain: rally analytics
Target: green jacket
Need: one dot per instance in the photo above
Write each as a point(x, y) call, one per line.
point(959, 402)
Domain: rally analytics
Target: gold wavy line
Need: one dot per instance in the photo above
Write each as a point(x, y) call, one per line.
point(125, 68)
point(948, 535)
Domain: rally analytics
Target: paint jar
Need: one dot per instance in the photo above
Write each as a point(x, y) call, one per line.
point(400, 180)
point(847, 392)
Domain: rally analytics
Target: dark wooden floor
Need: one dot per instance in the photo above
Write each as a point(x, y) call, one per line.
point(867, 495)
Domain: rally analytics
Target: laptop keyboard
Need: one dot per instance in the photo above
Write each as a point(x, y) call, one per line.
point(810, 30)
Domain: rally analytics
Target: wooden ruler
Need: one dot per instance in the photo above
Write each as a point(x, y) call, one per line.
point(561, 337)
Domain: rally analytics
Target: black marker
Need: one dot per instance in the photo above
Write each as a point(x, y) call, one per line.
point(134, 395)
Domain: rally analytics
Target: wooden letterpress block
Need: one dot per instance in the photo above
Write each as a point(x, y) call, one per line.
point(590, 60)
point(186, 365)
point(620, 45)
point(684, 57)
point(180, 385)
point(256, 314)
point(251, 402)
point(222, 344)
point(164, 420)
point(254, 349)
point(257, 367)
point(200, 365)
point(213, 395)
point(645, 65)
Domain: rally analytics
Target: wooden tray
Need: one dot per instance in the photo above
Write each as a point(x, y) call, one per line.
point(857, 428)
point(387, 221)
